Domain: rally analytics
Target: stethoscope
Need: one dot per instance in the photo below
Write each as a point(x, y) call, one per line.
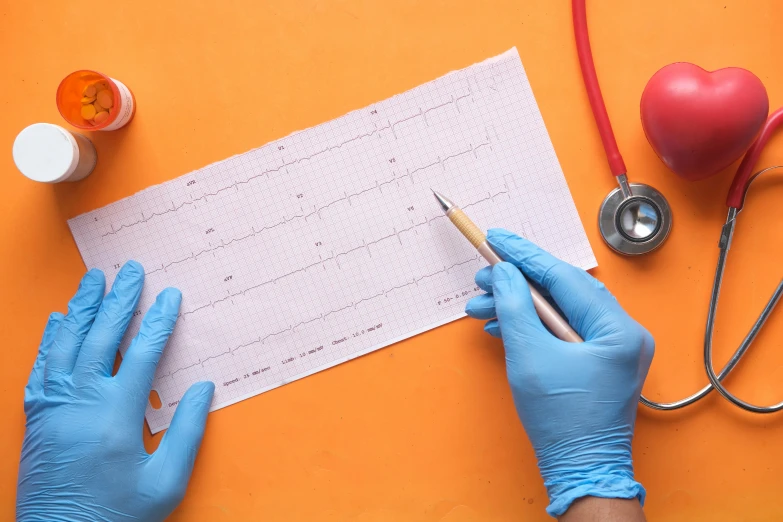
point(636, 219)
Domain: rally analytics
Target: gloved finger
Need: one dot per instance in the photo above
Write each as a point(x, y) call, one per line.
point(517, 317)
point(582, 298)
point(481, 307)
point(99, 348)
point(74, 327)
point(171, 465)
point(493, 328)
point(138, 365)
point(648, 351)
point(35, 382)
point(484, 279)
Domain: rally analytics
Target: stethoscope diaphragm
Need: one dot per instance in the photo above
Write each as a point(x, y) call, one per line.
point(634, 218)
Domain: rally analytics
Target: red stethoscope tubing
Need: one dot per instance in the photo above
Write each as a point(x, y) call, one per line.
point(744, 175)
point(616, 163)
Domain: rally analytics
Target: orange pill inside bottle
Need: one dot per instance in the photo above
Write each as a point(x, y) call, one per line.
point(71, 94)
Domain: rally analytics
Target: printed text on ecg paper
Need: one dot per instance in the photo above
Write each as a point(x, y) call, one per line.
point(328, 244)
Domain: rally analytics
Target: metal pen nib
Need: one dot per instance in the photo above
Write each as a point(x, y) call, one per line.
point(549, 316)
point(445, 202)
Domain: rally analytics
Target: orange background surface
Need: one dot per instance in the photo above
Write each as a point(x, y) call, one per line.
point(424, 430)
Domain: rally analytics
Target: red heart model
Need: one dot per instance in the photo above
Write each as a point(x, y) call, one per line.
point(700, 122)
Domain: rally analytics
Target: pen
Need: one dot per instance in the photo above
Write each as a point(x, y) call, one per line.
point(549, 316)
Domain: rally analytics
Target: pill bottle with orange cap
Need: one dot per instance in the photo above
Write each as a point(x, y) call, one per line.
point(90, 100)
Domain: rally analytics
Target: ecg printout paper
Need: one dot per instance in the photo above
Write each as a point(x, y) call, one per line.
point(328, 244)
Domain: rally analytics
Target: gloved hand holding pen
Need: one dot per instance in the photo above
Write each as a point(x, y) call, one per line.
point(577, 402)
point(83, 458)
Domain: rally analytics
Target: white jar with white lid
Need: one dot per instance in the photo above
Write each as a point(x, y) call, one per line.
point(50, 154)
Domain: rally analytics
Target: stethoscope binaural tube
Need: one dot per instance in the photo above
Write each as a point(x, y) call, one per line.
point(735, 201)
point(634, 218)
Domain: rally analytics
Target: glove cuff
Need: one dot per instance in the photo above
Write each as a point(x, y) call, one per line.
point(616, 484)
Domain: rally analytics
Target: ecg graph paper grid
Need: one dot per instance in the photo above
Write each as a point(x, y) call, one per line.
point(327, 244)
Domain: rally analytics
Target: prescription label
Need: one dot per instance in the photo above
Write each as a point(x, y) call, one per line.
point(126, 107)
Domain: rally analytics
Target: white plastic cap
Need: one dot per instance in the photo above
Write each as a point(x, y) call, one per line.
point(46, 153)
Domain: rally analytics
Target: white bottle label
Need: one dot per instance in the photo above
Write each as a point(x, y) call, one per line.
point(126, 107)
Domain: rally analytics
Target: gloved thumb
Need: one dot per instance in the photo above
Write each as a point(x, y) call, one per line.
point(174, 458)
point(516, 314)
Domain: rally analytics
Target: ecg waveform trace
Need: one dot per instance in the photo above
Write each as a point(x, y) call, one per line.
point(327, 244)
point(261, 339)
point(421, 113)
point(315, 211)
point(365, 245)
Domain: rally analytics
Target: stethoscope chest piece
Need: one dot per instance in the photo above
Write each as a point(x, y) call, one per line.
point(634, 218)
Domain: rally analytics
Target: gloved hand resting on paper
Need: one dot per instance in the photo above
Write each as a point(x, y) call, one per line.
point(577, 402)
point(83, 458)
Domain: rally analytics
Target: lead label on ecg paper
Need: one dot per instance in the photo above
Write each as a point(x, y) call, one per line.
point(326, 244)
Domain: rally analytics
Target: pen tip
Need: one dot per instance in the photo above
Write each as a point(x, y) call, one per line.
point(445, 202)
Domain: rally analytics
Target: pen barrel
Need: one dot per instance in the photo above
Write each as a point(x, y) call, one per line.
point(468, 228)
point(549, 316)
point(487, 253)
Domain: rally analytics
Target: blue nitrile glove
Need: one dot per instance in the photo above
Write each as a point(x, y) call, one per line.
point(577, 402)
point(83, 458)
